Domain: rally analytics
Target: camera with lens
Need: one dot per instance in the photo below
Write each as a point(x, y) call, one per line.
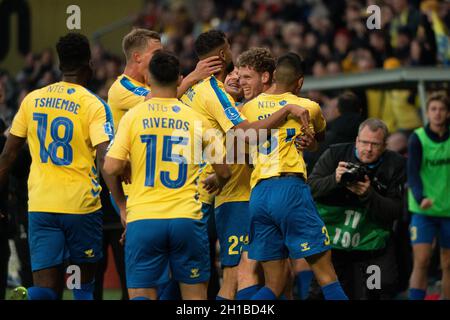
point(355, 172)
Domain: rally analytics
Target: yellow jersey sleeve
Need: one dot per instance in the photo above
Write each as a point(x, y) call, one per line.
point(210, 99)
point(101, 127)
point(120, 148)
point(19, 126)
point(124, 94)
point(221, 106)
point(317, 119)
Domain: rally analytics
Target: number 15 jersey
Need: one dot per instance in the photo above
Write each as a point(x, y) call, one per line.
point(63, 123)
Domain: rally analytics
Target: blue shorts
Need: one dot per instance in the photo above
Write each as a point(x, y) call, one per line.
point(284, 221)
point(57, 237)
point(232, 226)
point(155, 246)
point(207, 211)
point(424, 229)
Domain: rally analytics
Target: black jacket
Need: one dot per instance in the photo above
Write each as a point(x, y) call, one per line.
point(384, 200)
point(343, 129)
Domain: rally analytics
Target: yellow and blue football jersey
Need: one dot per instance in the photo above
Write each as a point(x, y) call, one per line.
point(124, 94)
point(278, 154)
point(209, 98)
point(160, 137)
point(63, 123)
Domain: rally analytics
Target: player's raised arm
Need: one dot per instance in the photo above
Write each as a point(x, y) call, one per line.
point(204, 69)
point(277, 119)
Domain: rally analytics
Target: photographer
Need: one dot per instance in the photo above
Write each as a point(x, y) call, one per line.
point(358, 192)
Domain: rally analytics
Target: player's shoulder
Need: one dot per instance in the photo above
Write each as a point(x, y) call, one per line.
point(246, 105)
point(308, 103)
point(92, 103)
point(89, 97)
point(115, 86)
point(140, 108)
point(124, 85)
point(212, 88)
point(35, 94)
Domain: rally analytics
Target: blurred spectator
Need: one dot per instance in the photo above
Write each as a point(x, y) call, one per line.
point(398, 142)
point(343, 129)
point(406, 18)
point(4, 232)
point(402, 111)
point(6, 113)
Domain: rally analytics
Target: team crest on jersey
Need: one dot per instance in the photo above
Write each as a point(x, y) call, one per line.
point(140, 91)
point(70, 90)
point(231, 113)
point(282, 102)
point(108, 129)
point(89, 253)
point(195, 273)
point(305, 246)
point(176, 109)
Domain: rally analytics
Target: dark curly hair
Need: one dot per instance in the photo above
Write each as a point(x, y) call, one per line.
point(259, 59)
point(208, 41)
point(164, 68)
point(74, 52)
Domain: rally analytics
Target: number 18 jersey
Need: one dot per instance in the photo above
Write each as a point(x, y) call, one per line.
point(63, 123)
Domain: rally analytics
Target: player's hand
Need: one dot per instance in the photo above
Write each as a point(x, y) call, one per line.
point(122, 238)
point(207, 67)
point(340, 170)
point(211, 184)
point(125, 177)
point(360, 188)
point(304, 141)
point(301, 114)
point(2, 216)
point(426, 203)
point(123, 217)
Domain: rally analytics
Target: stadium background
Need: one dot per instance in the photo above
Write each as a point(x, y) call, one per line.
point(332, 36)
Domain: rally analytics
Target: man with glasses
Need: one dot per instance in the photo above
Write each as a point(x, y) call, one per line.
point(358, 189)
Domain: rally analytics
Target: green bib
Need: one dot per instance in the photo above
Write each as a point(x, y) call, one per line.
point(351, 228)
point(435, 175)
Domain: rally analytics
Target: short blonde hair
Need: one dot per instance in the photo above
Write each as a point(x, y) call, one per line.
point(439, 96)
point(138, 39)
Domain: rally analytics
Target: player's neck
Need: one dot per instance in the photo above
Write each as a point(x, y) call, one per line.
point(77, 79)
point(279, 89)
point(221, 75)
point(132, 71)
point(167, 93)
point(438, 129)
